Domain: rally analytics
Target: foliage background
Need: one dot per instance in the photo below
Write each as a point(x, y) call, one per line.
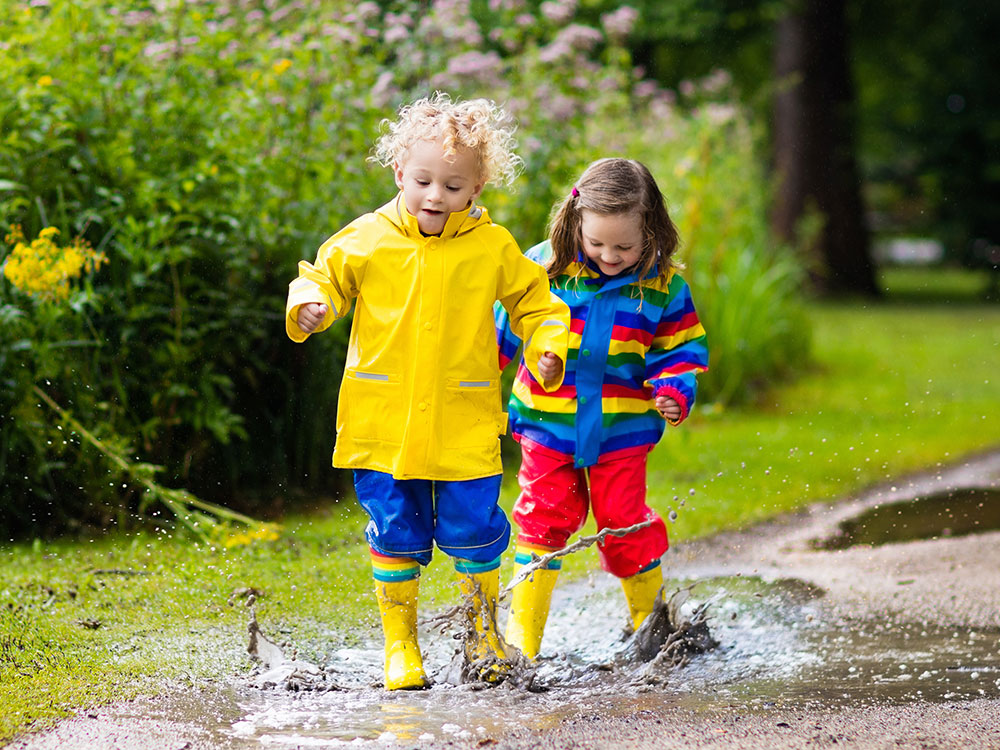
point(926, 110)
point(206, 147)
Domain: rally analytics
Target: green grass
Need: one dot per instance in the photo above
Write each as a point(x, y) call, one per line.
point(946, 285)
point(896, 389)
point(898, 386)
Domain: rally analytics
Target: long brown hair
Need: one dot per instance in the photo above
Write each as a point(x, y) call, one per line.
point(615, 186)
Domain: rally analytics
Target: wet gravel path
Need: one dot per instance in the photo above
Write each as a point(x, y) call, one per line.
point(871, 646)
point(905, 587)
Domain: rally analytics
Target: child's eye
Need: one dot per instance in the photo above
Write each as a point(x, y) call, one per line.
point(452, 188)
point(423, 183)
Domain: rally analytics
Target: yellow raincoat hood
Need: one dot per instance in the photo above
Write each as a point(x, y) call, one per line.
point(420, 397)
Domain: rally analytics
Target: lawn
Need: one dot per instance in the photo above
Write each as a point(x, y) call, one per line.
point(897, 386)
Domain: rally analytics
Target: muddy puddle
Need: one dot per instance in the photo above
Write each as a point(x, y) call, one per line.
point(938, 515)
point(783, 645)
point(778, 648)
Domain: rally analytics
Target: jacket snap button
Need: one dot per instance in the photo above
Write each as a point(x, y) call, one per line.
point(422, 406)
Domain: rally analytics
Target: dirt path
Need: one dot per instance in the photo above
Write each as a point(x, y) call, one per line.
point(828, 648)
point(950, 583)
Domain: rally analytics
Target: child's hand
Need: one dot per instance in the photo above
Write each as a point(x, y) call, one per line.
point(310, 316)
point(549, 366)
point(668, 408)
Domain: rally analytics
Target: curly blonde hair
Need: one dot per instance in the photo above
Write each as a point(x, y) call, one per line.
point(477, 124)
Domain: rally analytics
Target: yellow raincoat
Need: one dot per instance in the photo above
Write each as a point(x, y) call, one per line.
point(420, 398)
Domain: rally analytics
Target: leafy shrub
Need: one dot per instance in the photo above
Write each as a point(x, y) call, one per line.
point(205, 147)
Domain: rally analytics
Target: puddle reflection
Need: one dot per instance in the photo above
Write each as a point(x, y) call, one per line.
point(954, 512)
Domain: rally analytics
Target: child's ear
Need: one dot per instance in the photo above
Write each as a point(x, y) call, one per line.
point(478, 189)
point(397, 170)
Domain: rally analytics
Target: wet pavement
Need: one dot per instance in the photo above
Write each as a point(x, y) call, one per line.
point(836, 626)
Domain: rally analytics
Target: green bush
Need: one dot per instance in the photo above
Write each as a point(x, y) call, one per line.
point(206, 147)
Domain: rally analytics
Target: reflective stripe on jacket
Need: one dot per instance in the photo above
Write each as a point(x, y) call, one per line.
point(420, 397)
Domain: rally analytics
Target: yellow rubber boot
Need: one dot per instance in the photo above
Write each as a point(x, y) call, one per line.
point(483, 588)
point(640, 594)
point(529, 611)
point(397, 603)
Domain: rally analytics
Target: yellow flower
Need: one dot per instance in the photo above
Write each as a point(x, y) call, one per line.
point(44, 81)
point(43, 269)
point(281, 65)
point(263, 533)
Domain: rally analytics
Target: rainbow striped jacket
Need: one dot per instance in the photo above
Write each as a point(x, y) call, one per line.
point(631, 340)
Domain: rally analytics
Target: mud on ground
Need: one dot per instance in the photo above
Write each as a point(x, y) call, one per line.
point(945, 584)
point(893, 645)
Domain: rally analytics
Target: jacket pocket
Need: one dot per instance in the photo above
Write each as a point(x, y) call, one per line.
point(472, 413)
point(369, 407)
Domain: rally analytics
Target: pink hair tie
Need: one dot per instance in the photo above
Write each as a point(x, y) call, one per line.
point(576, 193)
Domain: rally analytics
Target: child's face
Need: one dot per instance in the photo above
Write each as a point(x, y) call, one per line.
point(435, 186)
point(612, 241)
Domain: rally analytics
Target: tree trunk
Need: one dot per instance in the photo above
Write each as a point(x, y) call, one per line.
point(814, 148)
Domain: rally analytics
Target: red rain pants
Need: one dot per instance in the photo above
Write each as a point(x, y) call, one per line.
point(555, 498)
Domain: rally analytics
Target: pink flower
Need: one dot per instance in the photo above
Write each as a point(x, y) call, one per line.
point(137, 17)
point(283, 11)
point(396, 34)
point(368, 10)
point(668, 97)
point(562, 107)
point(716, 81)
point(384, 91)
point(480, 66)
point(719, 114)
point(338, 33)
point(402, 19)
point(159, 50)
point(580, 37)
point(619, 23)
point(559, 11)
point(554, 52)
point(646, 89)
